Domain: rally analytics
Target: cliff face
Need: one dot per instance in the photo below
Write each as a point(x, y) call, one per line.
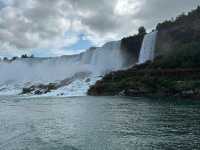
point(131, 48)
point(172, 34)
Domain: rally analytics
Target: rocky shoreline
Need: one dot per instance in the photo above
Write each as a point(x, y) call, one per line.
point(180, 83)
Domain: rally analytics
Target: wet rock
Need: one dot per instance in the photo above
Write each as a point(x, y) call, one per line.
point(46, 88)
point(122, 93)
point(38, 92)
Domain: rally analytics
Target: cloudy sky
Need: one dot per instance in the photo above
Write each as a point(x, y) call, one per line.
point(56, 27)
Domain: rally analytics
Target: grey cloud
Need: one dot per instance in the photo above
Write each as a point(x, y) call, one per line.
point(155, 11)
point(43, 23)
point(2, 5)
point(101, 23)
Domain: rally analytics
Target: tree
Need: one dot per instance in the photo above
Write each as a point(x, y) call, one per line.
point(24, 56)
point(14, 58)
point(5, 59)
point(198, 8)
point(181, 17)
point(142, 30)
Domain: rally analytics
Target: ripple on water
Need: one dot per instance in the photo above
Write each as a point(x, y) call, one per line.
point(98, 123)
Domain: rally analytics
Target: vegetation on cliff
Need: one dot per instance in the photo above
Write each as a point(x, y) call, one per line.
point(183, 20)
point(24, 56)
point(184, 56)
point(142, 80)
point(175, 34)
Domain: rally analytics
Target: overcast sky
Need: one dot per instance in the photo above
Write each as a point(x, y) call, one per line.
point(56, 27)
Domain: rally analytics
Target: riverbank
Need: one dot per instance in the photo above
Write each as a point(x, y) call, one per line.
point(141, 81)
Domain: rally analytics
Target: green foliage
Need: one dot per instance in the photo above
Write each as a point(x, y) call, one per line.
point(26, 56)
point(187, 85)
point(14, 58)
point(181, 19)
point(5, 59)
point(184, 56)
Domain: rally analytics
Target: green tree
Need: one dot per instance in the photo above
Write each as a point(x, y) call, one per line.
point(142, 30)
point(24, 56)
point(5, 59)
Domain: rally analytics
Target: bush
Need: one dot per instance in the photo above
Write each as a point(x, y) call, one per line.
point(184, 56)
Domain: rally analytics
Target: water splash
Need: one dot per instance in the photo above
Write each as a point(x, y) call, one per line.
point(26, 72)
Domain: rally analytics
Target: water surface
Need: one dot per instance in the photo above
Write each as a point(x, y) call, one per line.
point(98, 123)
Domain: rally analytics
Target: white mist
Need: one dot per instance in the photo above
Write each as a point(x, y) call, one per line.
point(97, 62)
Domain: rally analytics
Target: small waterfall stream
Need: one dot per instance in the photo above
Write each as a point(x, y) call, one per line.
point(148, 47)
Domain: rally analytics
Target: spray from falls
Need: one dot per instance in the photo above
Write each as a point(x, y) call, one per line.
point(95, 62)
point(148, 47)
point(76, 73)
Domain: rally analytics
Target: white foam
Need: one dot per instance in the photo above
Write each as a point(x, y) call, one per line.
point(78, 87)
point(25, 72)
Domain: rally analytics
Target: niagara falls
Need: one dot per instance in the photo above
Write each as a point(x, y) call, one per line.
point(80, 71)
point(99, 75)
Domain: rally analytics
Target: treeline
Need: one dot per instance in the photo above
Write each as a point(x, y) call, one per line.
point(184, 29)
point(184, 18)
point(24, 56)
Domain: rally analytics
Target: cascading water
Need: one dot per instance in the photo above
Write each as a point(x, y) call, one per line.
point(148, 47)
point(95, 61)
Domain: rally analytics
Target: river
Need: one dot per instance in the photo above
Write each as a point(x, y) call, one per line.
point(98, 123)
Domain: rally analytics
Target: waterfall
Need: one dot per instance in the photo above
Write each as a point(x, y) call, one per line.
point(105, 59)
point(95, 61)
point(148, 47)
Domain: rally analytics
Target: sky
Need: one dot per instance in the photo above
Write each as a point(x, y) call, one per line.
point(59, 27)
